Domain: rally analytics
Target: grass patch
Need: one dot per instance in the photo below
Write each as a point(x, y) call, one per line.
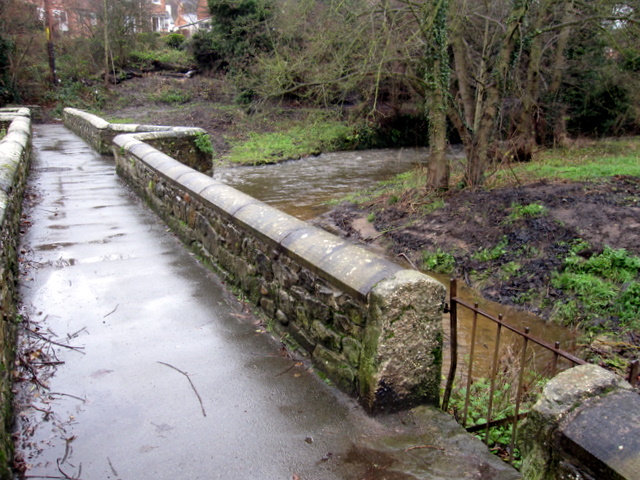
point(398, 189)
point(119, 120)
point(593, 160)
point(171, 96)
point(603, 290)
point(296, 142)
point(491, 254)
point(531, 210)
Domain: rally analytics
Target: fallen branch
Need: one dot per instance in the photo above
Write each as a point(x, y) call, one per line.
point(190, 382)
point(34, 375)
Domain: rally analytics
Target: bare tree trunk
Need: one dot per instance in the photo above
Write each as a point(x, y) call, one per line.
point(524, 145)
point(560, 136)
point(50, 47)
point(478, 154)
point(106, 44)
point(434, 26)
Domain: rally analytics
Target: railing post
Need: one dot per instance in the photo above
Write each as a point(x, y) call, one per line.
point(634, 371)
point(494, 370)
point(523, 361)
point(453, 339)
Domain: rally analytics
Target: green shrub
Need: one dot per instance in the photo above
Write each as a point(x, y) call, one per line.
point(438, 261)
point(602, 288)
point(174, 40)
point(203, 143)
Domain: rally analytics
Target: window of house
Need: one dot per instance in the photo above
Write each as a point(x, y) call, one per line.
point(61, 20)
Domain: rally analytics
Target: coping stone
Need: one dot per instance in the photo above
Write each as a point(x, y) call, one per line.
point(607, 429)
point(226, 199)
point(268, 222)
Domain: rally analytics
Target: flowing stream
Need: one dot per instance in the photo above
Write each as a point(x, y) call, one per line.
point(302, 188)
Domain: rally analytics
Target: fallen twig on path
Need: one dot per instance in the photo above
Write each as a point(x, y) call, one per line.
point(74, 335)
point(191, 383)
point(285, 371)
point(47, 339)
point(113, 470)
point(83, 400)
point(66, 475)
point(112, 311)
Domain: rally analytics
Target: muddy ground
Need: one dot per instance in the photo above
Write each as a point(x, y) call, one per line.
point(602, 213)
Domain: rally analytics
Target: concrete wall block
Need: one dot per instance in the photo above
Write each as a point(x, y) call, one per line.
point(586, 424)
point(225, 199)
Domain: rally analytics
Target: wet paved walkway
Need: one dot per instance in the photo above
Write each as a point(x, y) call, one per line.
point(104, 274)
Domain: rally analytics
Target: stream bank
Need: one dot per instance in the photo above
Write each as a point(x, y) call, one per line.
point(514, 258)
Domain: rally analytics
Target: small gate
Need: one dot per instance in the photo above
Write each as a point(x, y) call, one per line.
point(519, 369)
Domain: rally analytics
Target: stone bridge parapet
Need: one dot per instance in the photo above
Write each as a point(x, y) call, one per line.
point(15, 156)
point(178, 142)
point(370, 326)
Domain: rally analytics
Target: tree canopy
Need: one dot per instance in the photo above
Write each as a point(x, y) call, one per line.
point(506, 75)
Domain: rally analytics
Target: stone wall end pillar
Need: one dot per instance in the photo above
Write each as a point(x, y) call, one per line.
point(401, 360)
point(584, 425)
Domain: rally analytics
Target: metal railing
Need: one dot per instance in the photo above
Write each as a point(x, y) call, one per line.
point(527, 343)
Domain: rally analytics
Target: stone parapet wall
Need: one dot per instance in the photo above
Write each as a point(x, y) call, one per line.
point(15, 156)
point(178, 142)
point(586, 425)
point(370, 326)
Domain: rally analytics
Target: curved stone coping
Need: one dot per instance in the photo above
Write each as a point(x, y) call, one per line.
point(13, 147)
point(93, 120)
point(9, 114)
point(346, 265)
point(120, 128)
point(100, 133)
point(149, 135)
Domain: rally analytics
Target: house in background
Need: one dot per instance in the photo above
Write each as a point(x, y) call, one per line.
point(80, 17)
point(161, 17)
point(192, 15)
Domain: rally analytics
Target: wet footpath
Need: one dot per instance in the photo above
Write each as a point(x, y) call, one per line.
point(143, 366)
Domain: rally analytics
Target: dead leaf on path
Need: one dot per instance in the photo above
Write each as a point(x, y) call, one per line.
point(147, 448)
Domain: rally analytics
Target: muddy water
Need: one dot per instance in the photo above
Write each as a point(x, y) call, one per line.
point(302, 188)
